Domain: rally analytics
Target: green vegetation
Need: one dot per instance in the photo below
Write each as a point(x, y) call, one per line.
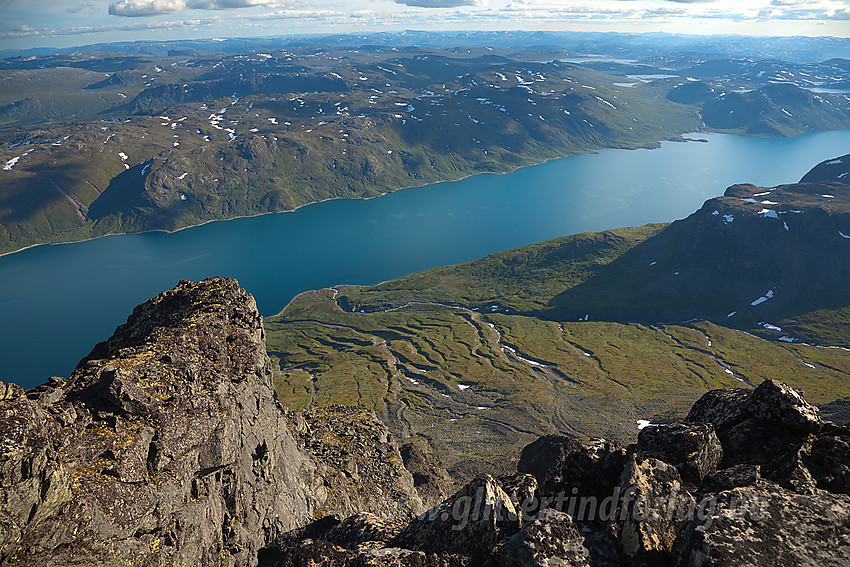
point(213, 138)
point(475, 359)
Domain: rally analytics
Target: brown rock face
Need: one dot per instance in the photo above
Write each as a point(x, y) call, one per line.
point(167, 447)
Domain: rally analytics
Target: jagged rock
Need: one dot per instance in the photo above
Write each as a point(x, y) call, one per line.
point(655, 506)
point(522, 490)
point(766, 525)
point(430, 478)
point(754, 442)
point(549, 540)
point(722, 408)
point(823, 462)
point(469, 523)
point(777, 404)
point(546, 452)
point(733, 477)
point(771, 403)
point(166, 446)
point(693, 448)
point(592, 469)
point(829, 461)
point(362, 528)
point(165, 443)
point(759, 426)
point(362, 470)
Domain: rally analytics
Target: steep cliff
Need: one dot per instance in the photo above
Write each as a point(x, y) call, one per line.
point(167, 447)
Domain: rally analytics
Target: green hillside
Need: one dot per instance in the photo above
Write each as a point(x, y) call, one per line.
point(165, 143)
point(481, 357)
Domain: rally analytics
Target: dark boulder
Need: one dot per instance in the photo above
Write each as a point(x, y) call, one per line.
point(722, 408)
point(766, 525)
point(546, 452)
point(470, 523)
point(592, 469)
point(552, 538)
point(693, 448)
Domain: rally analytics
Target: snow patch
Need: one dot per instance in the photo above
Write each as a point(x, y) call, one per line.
point(769, 213)
point(644, 423)
point(11, 163)
point(763, 298)
point(843, 235)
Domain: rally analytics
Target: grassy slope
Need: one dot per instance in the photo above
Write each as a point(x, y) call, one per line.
point(344, 143)
point(409, 361)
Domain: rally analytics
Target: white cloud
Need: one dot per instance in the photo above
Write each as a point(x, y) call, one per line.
point(138, 8)
point(442, 3)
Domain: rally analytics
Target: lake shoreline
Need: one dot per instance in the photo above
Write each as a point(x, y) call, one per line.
point(81, 293)
point(652, 146)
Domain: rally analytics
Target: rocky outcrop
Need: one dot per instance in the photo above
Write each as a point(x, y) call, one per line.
point(693, 448)
point(653, 509)
point(470, 523)
point(167, 447)
point(775, 428)
point(687, 494)
point(361, 469)
point(765, 525)
point(550, 539)
point(430, 477)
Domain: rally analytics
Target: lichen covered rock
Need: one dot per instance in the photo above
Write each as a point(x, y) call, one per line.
point(167, 447)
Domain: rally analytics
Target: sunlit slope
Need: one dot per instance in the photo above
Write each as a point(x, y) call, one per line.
point(483, 356)
point(168, 142)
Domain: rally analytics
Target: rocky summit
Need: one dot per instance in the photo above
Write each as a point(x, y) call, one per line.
point(167, 446)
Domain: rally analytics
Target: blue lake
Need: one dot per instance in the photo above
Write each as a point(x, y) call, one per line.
point(57, 301)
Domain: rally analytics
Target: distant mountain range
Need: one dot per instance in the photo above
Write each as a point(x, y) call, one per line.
point(160, 136)
point(587, 334)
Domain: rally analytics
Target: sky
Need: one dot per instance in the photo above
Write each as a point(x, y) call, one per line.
point(65, 23)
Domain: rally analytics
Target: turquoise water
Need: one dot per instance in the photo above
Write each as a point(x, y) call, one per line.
point(57, 301)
